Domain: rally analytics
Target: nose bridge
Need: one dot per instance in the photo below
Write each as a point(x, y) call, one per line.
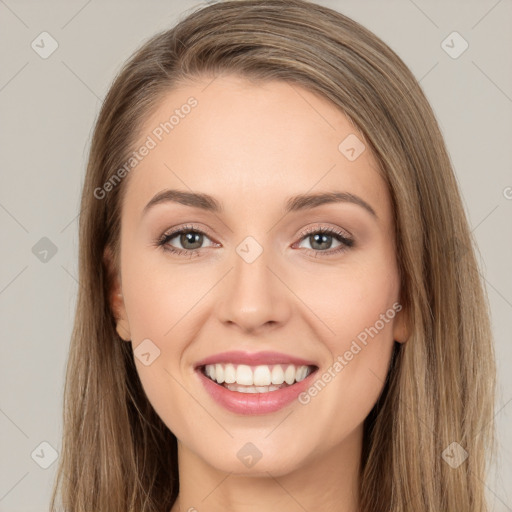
point(253, 296)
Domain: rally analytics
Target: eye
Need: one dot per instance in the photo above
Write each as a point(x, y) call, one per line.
point(190, 238)
point(321, 240)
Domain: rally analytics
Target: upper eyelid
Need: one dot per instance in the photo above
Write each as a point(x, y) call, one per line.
point(176, 231)
point(205, 231)
point(331, 229)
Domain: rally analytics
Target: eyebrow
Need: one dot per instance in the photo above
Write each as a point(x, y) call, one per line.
point(293, 204)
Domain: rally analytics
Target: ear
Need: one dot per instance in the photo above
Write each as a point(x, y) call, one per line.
point(115, 295)
point(401, 325)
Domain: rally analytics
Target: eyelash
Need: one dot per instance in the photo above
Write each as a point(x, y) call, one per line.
point(346, 243)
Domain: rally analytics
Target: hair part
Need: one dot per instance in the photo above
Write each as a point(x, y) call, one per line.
point(117, 454)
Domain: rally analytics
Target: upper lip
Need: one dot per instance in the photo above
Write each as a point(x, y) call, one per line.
point(254, 359)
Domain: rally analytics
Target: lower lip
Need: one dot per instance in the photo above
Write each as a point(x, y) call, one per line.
point(254, 403)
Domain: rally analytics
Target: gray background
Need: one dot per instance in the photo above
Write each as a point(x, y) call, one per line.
point(48, 110)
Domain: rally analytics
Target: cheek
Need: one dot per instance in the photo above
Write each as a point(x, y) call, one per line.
point(157, 297)
point(360, 307)
point(157, 306)
point(149, 307)
point(350, 300)
point(163, 305)
point(359, 304)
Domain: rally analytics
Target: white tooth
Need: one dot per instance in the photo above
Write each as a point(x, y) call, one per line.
point(262, 376)
point(229, 374)
point(301, 373)
point(244, 375)
point(277, 375)
point(210, 371)
point(219, 373)
point(289, 375)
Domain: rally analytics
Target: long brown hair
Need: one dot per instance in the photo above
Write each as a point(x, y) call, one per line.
point(117, 454)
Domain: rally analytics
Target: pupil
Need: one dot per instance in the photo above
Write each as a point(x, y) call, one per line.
point(189, 238)
point(320, 238)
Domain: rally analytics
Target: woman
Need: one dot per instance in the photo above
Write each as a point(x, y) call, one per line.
point(280, 305)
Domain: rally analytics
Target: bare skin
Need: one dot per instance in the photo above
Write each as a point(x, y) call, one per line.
point(251, 147)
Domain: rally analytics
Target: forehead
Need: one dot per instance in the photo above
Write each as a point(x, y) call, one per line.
point(251, 145)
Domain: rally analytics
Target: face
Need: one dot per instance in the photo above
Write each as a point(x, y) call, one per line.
point(263, 288)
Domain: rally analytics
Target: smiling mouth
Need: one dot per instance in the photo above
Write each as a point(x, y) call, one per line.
point(243, 378)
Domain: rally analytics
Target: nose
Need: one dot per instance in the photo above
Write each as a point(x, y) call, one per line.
point(254, 297)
